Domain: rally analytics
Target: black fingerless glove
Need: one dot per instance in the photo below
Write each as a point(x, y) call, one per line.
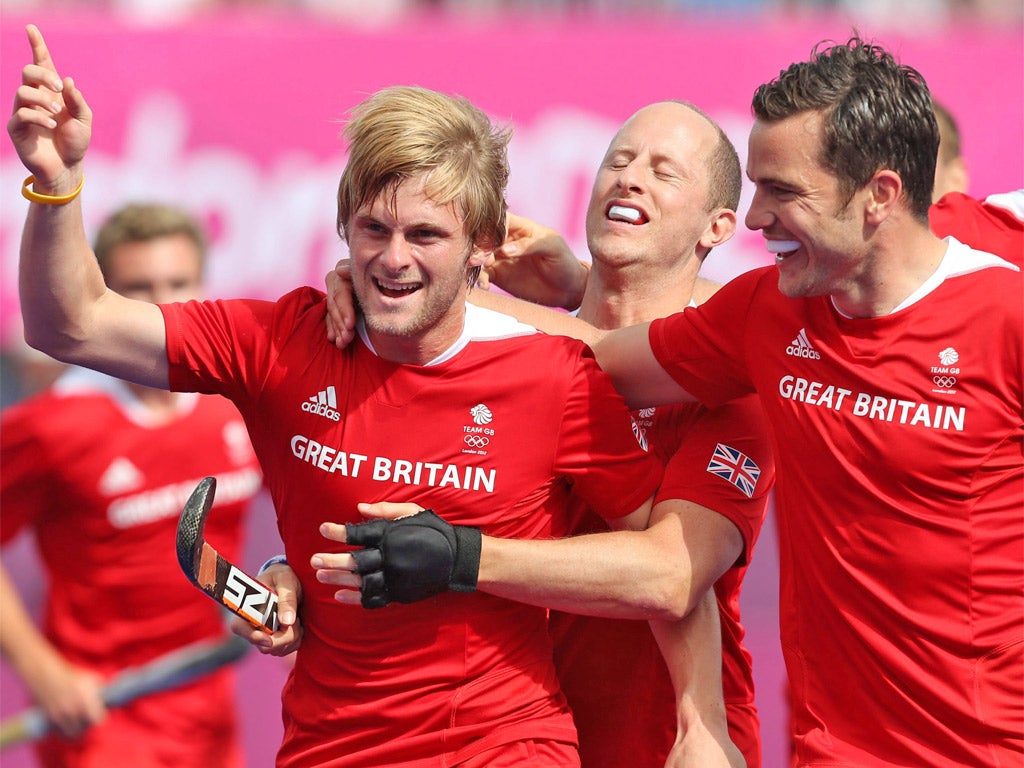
point(413, 558)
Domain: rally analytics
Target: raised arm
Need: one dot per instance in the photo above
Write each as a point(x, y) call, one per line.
point(68, 311)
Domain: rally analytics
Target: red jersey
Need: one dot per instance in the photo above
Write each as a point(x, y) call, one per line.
point(899, 505)
point(995, 224)
point(493, 434)
point(101, 487)
point(612, 670)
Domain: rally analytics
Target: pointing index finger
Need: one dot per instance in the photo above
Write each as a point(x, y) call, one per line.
point(40, 53)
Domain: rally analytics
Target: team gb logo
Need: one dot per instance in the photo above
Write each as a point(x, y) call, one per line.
point(949, 356)
point(481, 414)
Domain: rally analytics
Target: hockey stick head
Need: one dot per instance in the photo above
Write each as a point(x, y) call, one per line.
point(222, 580)
point(189, 541)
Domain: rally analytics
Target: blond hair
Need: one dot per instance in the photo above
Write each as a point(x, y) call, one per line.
point(406, 131)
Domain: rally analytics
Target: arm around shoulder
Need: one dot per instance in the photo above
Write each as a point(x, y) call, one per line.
point(627, 357)
point(551, 321)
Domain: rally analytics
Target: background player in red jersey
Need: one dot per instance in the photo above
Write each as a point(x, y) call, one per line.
point(671, 168)
point(98, 470)
point(466, 679)
point(994, 223)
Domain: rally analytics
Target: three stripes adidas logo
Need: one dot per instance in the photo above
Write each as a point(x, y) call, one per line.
point(801, 347)
point(323, 403)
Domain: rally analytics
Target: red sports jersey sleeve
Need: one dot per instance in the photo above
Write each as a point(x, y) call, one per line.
point(718, 333)
point(899, 442)
point(494, 435)
point(24, 479)
point(725, 462)
point(995, 224)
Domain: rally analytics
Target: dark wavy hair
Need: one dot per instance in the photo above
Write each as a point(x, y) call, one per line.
point(878, 114)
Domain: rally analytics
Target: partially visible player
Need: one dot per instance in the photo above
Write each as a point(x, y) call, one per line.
point(98, 470)
point(951, 173)
point(889, 364)
point(994, 223)
point(719, 463)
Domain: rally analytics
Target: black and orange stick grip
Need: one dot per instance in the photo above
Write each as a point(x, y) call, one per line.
point(222, 580)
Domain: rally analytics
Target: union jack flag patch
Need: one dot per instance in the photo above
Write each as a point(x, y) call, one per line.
point(738, 468)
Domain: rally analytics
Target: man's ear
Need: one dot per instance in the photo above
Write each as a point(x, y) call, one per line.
point(884, 191)
point(478, 257)
point(720, 229)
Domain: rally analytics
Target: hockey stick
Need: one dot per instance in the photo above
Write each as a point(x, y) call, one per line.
point(225, 582)
point(168, 671)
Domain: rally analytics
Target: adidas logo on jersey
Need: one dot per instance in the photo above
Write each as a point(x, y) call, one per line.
point(120, 477)
point(323, 403)
point(802, 347)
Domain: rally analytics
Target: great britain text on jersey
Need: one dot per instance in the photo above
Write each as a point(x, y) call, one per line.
point(866, 405)
point(400, 471)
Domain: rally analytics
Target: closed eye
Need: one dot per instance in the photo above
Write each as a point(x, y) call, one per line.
point(617, 161)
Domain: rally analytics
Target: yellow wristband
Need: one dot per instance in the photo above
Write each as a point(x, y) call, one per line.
point(35, 197)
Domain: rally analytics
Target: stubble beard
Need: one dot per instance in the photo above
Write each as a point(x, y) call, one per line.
point(401, 323)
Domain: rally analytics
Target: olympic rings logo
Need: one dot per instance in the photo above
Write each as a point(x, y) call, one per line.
point(944, 382)
point(476, 441)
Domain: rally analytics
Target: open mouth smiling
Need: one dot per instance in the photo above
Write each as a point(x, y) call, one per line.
point(395, 290)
